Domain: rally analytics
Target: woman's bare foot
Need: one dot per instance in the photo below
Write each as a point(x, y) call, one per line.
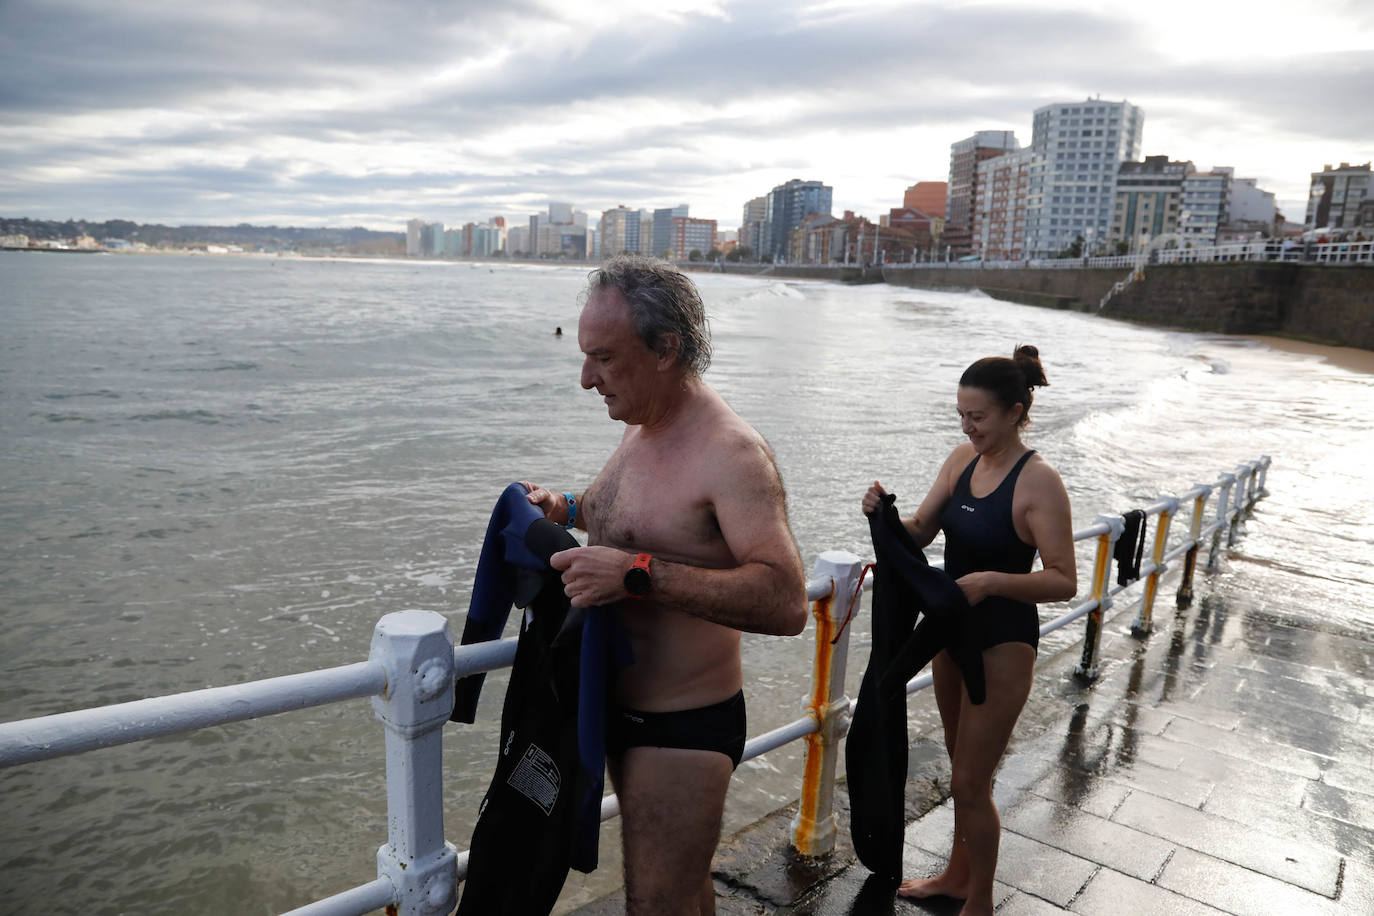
point(942, 885)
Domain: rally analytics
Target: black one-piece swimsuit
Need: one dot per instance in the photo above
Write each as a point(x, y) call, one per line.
point(980, 536)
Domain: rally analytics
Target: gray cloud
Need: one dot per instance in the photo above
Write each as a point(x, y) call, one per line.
point(862, 73)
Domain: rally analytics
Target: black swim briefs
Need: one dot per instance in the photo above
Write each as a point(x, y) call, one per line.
point(720, 727)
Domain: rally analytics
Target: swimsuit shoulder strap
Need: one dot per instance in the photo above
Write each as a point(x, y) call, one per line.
point(962, 485)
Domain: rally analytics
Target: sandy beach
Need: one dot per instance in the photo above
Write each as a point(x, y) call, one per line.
point(1345, 357)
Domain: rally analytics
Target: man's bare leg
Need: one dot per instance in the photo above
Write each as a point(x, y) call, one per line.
point(671, 803)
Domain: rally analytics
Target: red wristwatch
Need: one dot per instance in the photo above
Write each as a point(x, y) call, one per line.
point(637, 578)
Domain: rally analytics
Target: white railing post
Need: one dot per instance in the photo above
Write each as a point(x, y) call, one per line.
point(1264, 475)
point(1102, 569)
point(1240, 502)
point(1225, 481)
point(1144, 617)
point(813, 829)
point(417, 651)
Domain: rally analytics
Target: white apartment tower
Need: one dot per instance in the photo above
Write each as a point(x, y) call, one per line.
point(1079, 148)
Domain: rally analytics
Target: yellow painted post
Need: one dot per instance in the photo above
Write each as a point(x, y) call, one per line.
point(813, 829)
point(1185, 586)
point(1102, 567)
point(1144, 617)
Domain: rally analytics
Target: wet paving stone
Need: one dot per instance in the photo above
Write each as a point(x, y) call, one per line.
point(1092, 796)
point(1294, 823)
point(1164, 782)
point(1351, 777)
point(1254, 778)
point(1095, 839)
point(1122, 895)
point(1048, 873)
point(1246, 747)
point(1239, 890)
point(1023, 904)
point(1351, 807)
point(1309, 866)
point(1330, 681)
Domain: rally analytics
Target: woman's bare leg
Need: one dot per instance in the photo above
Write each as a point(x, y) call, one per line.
point(982, 740)
point(950, 696)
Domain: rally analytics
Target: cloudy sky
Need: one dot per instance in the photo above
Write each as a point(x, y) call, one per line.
point(354, 112)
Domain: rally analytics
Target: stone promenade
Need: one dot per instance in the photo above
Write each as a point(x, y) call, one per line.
point(1225, 764)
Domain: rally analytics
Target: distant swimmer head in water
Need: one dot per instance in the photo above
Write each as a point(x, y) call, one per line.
point(558, 332)
point(995, 395)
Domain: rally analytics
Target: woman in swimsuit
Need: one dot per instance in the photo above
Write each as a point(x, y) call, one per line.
point(999, 503)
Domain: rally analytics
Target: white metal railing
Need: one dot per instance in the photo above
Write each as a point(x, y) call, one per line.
point(413, 663)
point(1361, 252)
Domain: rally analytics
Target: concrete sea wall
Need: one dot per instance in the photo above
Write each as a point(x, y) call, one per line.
point(1325, 304)
point(1320, 303)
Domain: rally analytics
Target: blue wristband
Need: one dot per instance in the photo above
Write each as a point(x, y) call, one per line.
point(572, 511)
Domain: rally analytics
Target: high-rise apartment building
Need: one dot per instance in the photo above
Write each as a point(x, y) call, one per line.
point(965, 157)
point(690, 235)
point(1336, 195)
point(1148, 200)
point(928, 197)
point(1078, 149)
point(487, 240)
point(786, 206)
point(414, 228)
point(453, 243)
point(619, 231)
point(663, 227)
point(537, 222)
point(646, 233)
point(432, 240)
point(1206, 205)
point(1001, 190)
point(560, 212)
point(752, 225)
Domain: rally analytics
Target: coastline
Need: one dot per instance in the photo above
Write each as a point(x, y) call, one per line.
point(1346, 357)
point(1352, 358)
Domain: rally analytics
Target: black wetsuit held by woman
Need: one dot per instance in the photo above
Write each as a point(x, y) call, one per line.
point(980, 536)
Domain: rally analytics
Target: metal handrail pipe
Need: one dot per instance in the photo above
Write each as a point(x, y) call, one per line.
point(1201, 489)
point(1082, 610)
point(1097, 529)
point(919, 682)
point(816, 589)
point(783, 734)
point(484, 656)
point(365, 898)
point(122, 723)
point(1158, 507)
point(1178, 551)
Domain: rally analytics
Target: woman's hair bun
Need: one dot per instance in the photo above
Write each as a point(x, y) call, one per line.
point(1028, 358)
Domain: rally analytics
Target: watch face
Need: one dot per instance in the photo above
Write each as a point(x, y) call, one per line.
point(637, 581)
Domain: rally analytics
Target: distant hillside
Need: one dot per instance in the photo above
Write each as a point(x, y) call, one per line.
point(356, 239)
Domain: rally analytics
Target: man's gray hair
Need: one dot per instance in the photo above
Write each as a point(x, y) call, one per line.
point(662, 301)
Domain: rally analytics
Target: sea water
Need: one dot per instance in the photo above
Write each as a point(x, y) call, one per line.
point(218, 469)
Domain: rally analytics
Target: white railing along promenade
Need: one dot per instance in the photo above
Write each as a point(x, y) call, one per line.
point(412, 665)
point(1263, 250)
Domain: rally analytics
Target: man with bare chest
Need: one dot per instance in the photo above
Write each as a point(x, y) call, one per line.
point(688, 537)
